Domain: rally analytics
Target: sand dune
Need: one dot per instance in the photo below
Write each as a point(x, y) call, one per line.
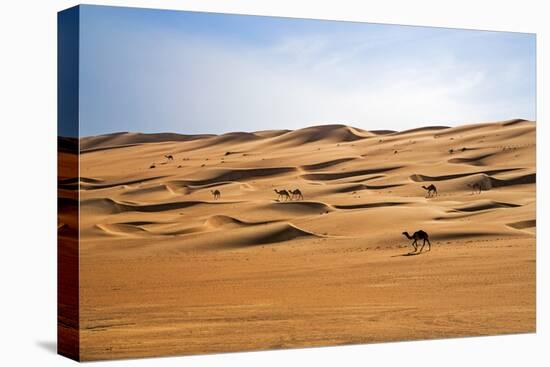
point(263, 234)
point(227, 175)
point(485, 205)
point(368, 205)
point(425, 129)
point(322, 133)
point(523, 224)
point(111, 206)
point(328, 176)
point(423, 178)
point(475, 160)
point(525, 179)
point(183, 271)
point(326, 164)
point(299, 207)
point(125, 139)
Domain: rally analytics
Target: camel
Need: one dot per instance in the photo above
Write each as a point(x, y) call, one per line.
point(170, 157)
point(432, 190)
point(282, 194)
point(296, 194)
point(217, 194)
point(475, 187)
point(418, 235)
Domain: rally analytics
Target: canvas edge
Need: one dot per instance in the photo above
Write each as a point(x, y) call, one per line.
point(68, 305)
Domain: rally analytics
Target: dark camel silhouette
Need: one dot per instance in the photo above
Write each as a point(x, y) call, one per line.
point(432, 190)
point(475, 187)
point(296, 194)
point(418, 235)
point(217, 194)
point(170, 157)
point(282, 194)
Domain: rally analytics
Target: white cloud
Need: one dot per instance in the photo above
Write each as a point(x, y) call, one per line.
point(193, 85)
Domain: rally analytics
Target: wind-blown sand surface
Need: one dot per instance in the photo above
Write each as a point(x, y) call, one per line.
point(165, 269)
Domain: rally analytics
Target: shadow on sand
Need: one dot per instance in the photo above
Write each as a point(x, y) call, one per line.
point(408, 254)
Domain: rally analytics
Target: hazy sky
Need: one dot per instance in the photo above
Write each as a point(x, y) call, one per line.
point(167, 71)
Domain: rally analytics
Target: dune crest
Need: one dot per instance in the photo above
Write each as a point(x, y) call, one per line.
point(201, 226)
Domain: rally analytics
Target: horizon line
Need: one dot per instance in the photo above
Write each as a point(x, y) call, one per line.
point(301, 128)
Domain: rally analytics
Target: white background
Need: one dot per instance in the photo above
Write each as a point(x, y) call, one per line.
point(28, 183)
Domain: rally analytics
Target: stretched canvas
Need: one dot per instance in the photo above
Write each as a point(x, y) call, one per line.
point(235, 183)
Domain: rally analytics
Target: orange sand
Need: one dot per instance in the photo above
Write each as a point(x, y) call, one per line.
point(165, 269)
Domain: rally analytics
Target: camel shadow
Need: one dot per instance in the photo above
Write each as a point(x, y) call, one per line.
point(408, 254)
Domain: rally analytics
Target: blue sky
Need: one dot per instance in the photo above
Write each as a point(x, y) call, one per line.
point(187, 72)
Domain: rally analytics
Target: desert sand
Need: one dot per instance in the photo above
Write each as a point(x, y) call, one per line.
point(166, 268)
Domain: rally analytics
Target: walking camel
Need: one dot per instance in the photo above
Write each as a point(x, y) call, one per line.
point(282, 194)
point(170, 157)
point(475, 187)
point(418, 235)
point(432, 190)
point(217, 194)
point(296, 194)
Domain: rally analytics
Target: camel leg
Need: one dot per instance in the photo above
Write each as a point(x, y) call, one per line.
point(429, 245)
point(423, 243)
point(414, 245)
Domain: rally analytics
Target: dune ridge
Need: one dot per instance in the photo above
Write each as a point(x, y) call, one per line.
point(247, 168)
point(227, 242)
